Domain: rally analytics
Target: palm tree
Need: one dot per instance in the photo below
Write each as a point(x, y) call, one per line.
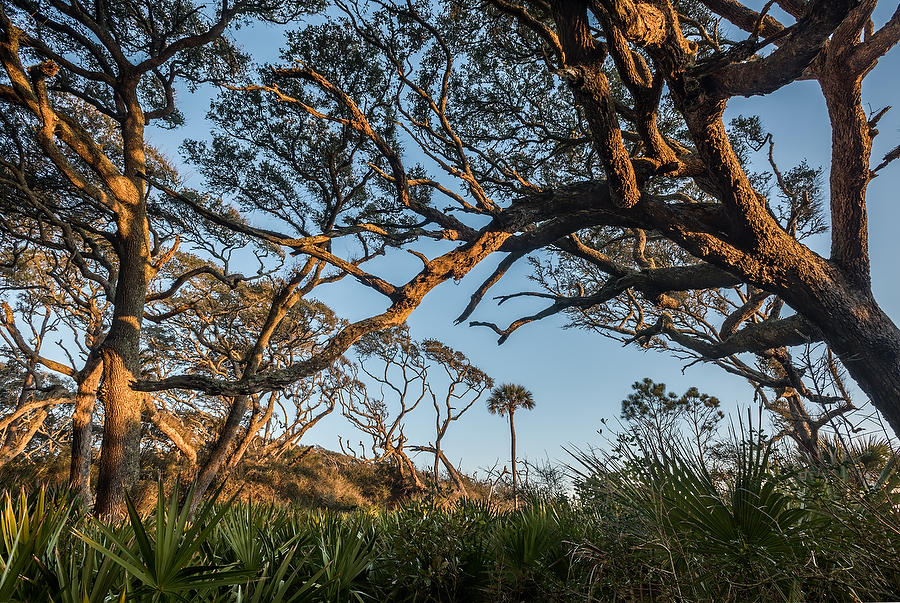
point(507, 399)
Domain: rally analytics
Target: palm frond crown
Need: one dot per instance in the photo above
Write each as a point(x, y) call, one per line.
point(508, 398)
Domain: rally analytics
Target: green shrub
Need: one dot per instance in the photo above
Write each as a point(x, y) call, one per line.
point(669, 526)
point(429, 552)
point(163, 554)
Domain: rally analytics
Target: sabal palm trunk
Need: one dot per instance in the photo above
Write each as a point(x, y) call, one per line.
point(512, 453)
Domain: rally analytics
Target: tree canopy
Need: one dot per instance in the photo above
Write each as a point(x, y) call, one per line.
point(588, 133)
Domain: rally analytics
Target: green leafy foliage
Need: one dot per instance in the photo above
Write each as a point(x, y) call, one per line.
point(451, 559)
point(758, 525)
point(30, 529)
point(645, 524)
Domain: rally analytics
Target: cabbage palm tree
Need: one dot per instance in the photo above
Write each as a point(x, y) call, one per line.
point(507, 399)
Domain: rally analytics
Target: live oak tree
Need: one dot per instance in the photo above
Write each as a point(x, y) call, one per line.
point(81, 183)
point(804, 387)
point(542, 123)
point(200, 320)
point(122, 60)
point(202, 317)
point(49, 263)
point(62, 278)
point(532, 126)
point(61, 256)
point(225, 331)
point(689, 187)
point(42, 274)
point(724, 217)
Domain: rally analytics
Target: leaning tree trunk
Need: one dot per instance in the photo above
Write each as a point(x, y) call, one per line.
point(219, 453)
point(868, 343)
point(23, 439)
point(413, 474)
point(437, 465)
point(21, 431)
point(85, 398)
point(256, 423)
point(454, 475)
point(286, 299)
point(12, 431)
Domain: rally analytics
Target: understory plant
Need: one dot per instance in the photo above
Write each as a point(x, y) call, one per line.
point(758, 523)
point(753, 522)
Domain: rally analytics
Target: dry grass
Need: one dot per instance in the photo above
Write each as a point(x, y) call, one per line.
point(319, 479)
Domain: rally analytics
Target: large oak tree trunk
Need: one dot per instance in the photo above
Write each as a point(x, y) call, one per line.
point(122, 405)
point(120, 448)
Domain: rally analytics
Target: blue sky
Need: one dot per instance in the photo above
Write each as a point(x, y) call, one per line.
point(578, 378)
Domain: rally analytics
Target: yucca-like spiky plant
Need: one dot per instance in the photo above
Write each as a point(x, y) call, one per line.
point(708, 537)
point(163, 555)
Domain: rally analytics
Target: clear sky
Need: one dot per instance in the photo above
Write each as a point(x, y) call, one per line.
point(577, 377)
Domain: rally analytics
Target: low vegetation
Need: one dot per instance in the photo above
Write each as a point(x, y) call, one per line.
point(749, 522)
point(310, 477)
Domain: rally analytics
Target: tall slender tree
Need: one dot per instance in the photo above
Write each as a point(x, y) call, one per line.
point(504, 400)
